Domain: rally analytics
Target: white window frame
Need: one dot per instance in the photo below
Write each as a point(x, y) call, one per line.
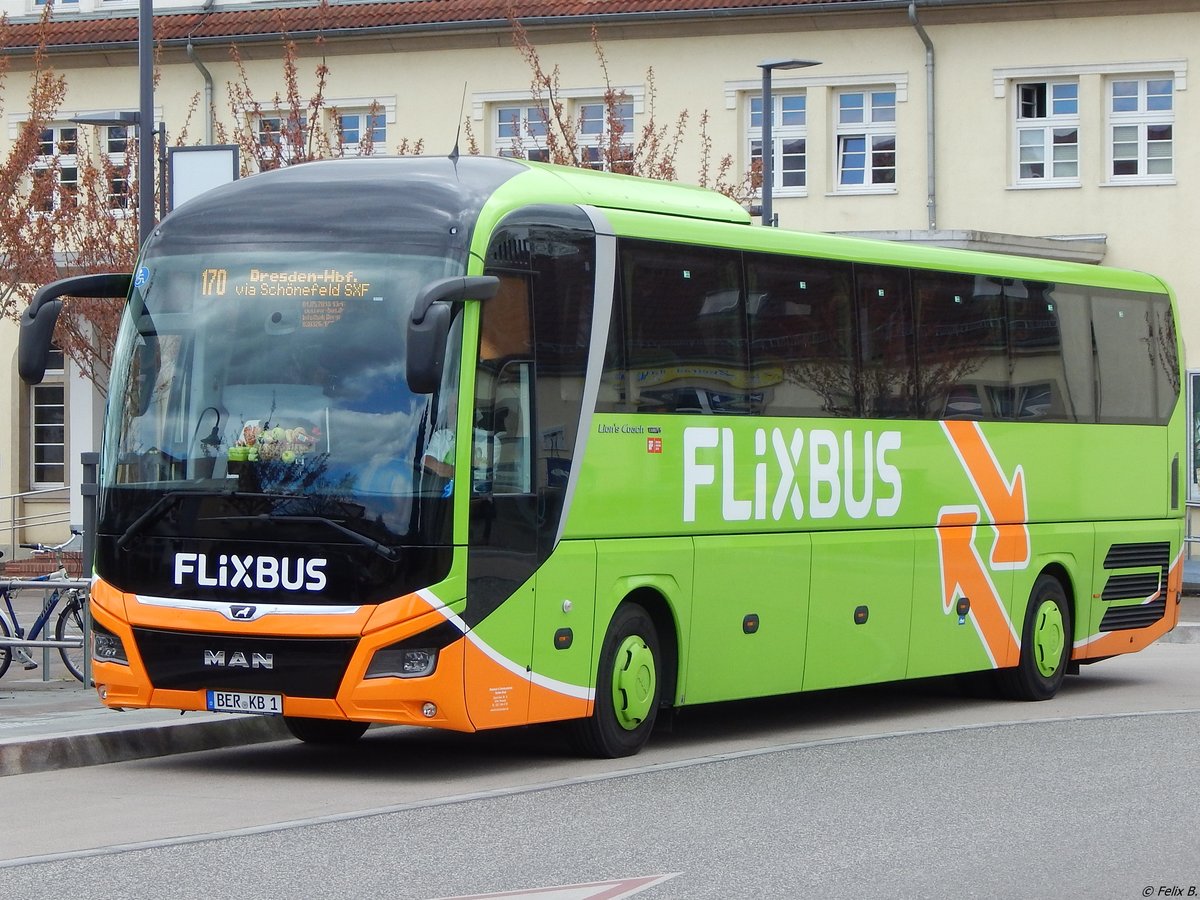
point(519, 130)
point(1047, 135)
point(376, 122)
point(875, 128)
point(1138, 123)
point(55, 378)
point(287, 150)
point(486, 107)
point(789, 127)
point(120, 154)
point(593, 128)
point(59, 162)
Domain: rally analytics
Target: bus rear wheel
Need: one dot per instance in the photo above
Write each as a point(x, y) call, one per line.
point(628, 688)
point(325, 731)
point(1045, 644)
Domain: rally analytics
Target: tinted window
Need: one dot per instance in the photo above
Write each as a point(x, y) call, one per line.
point(801, 336)
point(885, 339)
point(1041, 389)
point(810, 337)
point(1131, 371)
point(1165, 358)
point(962, 359)
point(684, 329)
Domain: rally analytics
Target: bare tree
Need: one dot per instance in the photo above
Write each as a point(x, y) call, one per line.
point(66, 207)
point(654, 152)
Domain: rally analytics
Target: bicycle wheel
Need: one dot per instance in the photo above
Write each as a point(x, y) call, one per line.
point(70, 628)
point(5, 652)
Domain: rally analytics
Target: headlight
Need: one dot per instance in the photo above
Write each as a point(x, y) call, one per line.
point(106, 646)
point(400, 661)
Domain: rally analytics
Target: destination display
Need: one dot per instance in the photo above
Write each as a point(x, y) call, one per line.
point(288, 283)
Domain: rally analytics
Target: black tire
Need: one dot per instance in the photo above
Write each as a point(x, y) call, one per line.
point(628, 688)
point(5, 652)
point(1045, 644)
point(69, 627)
point(325, 731)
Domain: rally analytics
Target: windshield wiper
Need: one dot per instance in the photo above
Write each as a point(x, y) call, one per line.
point(167, 501)
point(157, 510)
point(388, 553)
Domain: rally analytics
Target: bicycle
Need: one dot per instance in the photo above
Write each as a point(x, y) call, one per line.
point(68, 626)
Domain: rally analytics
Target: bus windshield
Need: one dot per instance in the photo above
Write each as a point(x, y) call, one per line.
point(276, 375)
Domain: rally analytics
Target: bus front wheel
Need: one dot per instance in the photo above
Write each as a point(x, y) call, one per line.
point(1045, 644)
point(628, 688)
point(325, 731)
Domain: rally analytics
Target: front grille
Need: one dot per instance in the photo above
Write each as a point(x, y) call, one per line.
point(1138, 616)
point(298, 667)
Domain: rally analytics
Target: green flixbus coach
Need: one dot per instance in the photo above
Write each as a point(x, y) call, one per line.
point(474, 442)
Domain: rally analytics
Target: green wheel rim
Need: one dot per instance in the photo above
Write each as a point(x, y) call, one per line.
point(1049, 638)
point(633, 682)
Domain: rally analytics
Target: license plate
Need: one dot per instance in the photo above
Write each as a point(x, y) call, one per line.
point(239, 702)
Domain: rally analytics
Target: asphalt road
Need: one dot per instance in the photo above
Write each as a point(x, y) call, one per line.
point(907, 791)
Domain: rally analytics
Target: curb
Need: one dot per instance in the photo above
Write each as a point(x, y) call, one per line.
point(67, 751)
point(1182, 633)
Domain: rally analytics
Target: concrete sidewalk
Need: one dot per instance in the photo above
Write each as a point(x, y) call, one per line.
point(59, 724)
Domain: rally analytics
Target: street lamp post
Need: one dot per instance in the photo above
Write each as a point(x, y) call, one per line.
point(768, 145)
point(145, 119)
point(145, 185)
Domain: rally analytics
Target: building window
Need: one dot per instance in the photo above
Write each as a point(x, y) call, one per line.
point(1141, 121)
point(605, 135)
point(49, 433)
point(866, 140)
point(789, 140)
point(282, 136)
point(1047, 133)
point(118, 163)
point(362, 133)
point(521, 132)
point(56, 169)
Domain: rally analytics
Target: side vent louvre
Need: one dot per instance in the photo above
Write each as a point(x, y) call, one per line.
point(1130, 556)
point(1140, 616)
point(1136, 585)
point(1130, 587)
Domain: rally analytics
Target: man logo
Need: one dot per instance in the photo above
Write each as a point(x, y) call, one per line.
point(239, 660)
point(242, 612)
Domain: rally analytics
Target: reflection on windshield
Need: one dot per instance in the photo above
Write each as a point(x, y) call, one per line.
point(276, 373)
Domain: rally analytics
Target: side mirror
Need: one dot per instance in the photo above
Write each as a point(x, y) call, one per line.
point(39, 318)
point(430, 323)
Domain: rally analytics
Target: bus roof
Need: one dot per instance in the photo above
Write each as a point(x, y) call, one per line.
point(636, 208)
point(388, 199)
point(609, 190)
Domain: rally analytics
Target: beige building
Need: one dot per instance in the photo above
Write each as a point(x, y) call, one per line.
point(1061, 128)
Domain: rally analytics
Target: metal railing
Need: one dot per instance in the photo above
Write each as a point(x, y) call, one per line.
point(1189, 536)
point(47, 586)
point(18, 523)
point(19, 518)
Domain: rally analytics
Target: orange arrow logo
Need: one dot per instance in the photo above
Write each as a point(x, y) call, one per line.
point(1004, 500)
point(964, 573)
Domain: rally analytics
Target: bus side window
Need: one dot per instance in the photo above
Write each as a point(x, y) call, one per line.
point(801, 336)
point(509, 444)
point(503, 392)
point(685, 328)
